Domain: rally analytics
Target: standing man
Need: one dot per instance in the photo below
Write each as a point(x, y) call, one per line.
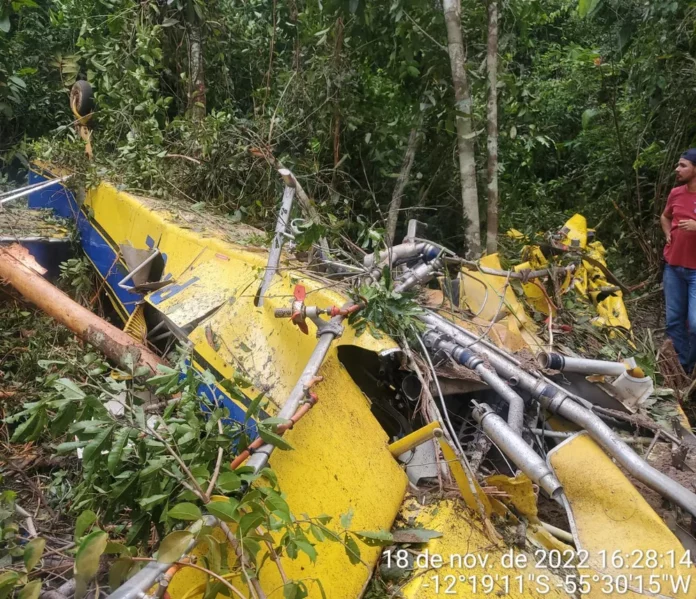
point(679, 225)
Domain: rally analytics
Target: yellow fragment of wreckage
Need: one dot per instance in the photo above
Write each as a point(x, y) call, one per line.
point(464, 550)
point(520, 495)
point(588, 280)
point(609, 517)
point(340, 461)
point(482, 294)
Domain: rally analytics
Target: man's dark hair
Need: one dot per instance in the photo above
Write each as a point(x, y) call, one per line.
point(690, 155)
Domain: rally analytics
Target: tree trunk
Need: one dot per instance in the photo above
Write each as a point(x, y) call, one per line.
point(492, 64)
point(401, 183)
point(465, 141)
point(338, 49)
point(196, 99)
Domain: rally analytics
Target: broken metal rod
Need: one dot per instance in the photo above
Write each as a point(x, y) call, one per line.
point(524, 275)
point(568, 435)
point(15, 194)
point(281, 233)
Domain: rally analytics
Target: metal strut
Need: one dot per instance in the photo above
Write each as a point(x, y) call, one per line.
point(281, 233)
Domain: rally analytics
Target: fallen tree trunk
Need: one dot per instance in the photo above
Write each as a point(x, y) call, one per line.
point(110, 340)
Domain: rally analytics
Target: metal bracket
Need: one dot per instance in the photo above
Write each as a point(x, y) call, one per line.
point(122, 283)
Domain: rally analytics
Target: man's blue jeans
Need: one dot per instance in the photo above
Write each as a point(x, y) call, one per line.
point(680, 299)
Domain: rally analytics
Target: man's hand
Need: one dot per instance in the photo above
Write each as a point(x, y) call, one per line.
point(669, 238)
point(687, 225)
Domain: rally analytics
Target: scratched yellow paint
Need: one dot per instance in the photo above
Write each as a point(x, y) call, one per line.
point(341, 459)
point(609, 514)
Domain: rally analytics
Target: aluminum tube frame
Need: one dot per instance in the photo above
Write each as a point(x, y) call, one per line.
point(281, 232)
point(137, 586)
point(490, 377)
point(259, 458)
point(557, 401)
point(24, 191)
point(609, 441)
point(491, 351)
point(581, 365)
point(517, 450)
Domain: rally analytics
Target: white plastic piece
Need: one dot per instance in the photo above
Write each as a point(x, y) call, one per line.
point(632, 391)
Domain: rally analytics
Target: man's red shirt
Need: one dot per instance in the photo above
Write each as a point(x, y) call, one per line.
point(681, 205)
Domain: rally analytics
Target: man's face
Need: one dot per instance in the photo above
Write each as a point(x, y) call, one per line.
point(686, 171)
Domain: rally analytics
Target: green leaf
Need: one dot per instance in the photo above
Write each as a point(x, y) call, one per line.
point(69, 389)
point(113, 548)
point(119, 571)
point(83, 522)
point(250, 521)
point(415, 535)
point(273, 439)
point(33, 551)
point(214, 555)
point(5, 24)
point(8, 580)
point(173, 546)
point(87, 560)
point(64, 448)
point(375, 538)
point(148, 502)
point(294, 590)
point(253, 408)
point(347, 518)
point(119, 444)
point(31, 590)
point(587, 117)
point(185, 511)
point(224, 510)
point(352, 549)
point(19, 82)
point(96, 445)
point(308, 548)
point(228, 482)
point(587, 7)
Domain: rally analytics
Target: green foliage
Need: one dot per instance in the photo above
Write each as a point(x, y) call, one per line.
point(385, 310)
point(77, 276)
point(139, 470)
point(14, 552)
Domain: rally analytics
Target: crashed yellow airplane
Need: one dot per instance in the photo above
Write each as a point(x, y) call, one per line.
point(175, 275)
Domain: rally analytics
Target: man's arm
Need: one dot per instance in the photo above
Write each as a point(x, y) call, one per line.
point(666, 220)
point(666, 223)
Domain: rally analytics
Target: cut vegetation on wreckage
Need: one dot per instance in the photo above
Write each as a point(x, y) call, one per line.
point(397, 424)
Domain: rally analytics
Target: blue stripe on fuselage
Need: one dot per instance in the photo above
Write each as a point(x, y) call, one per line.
point(101, 251)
